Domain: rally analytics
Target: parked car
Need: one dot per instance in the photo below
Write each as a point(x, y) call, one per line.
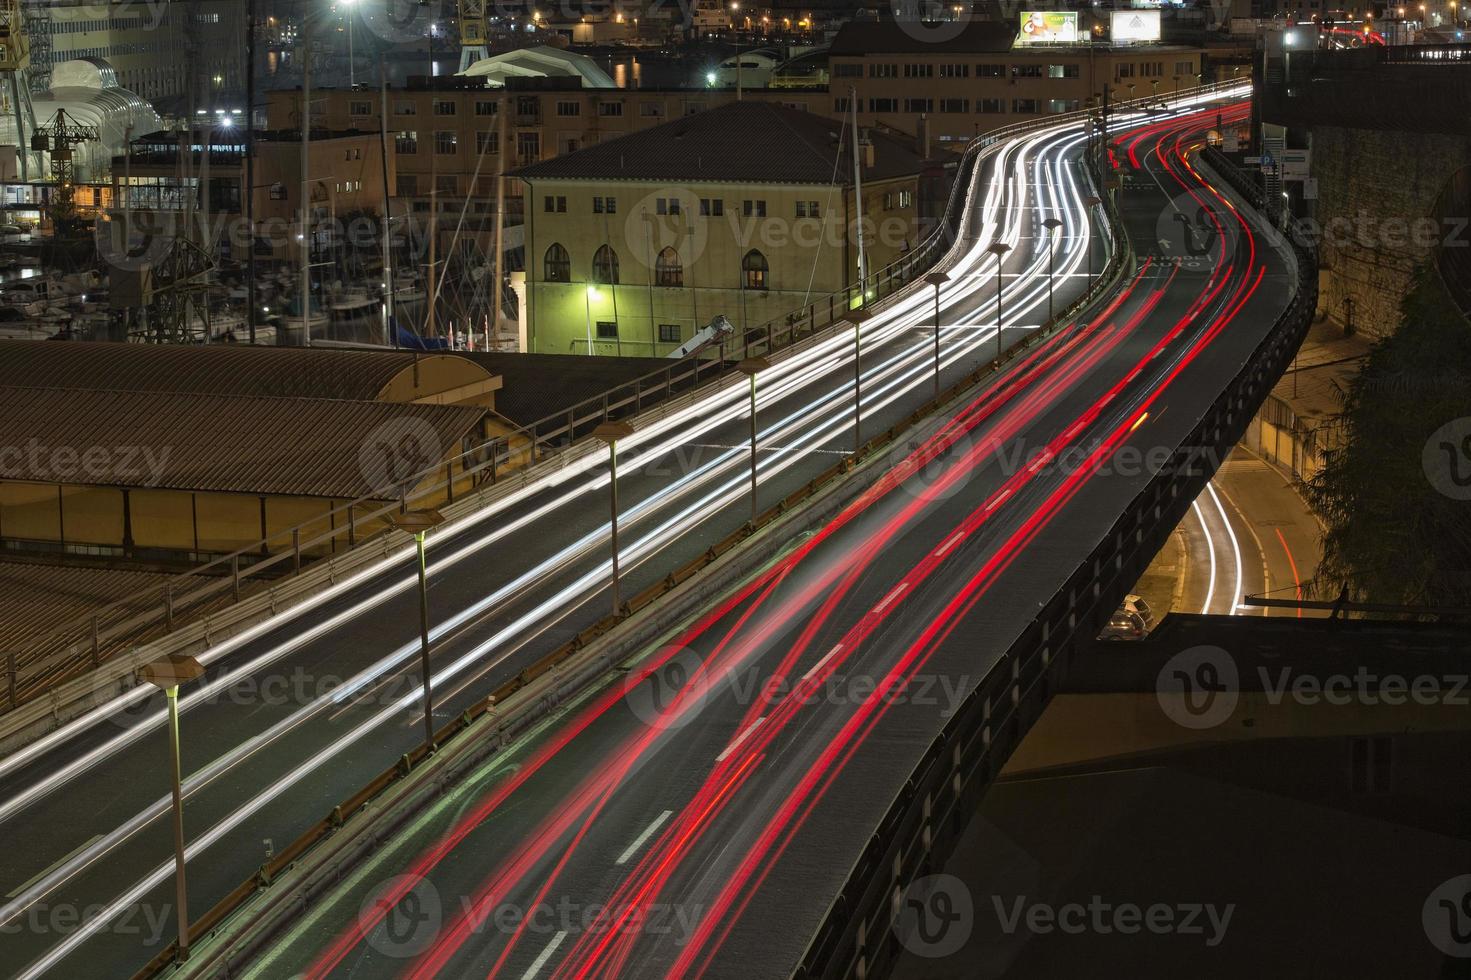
point(1136, 605)
point(1124, 625)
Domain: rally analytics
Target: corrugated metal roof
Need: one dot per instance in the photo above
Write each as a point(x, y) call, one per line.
point(749, 142)
point(40, 597)
point(222, 369)
point(278, 446)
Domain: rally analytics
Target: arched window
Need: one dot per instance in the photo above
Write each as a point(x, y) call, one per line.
point(668, 270)
point(558, 264)
point(755, 269)
point(605, 266)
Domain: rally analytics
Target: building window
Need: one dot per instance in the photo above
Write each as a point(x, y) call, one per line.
point(883, 71)
point(991, 105)
point(955, 71)
point(555, 204)
point(991, 71)
point(955, 105)
point(669, 333)
point(528, 147)
point(486, 107)
point(610, 108)
point(808, 209)
point(1062, 71)
point(526, 105)
point(712, 207)
point(405, 109)
point(558, 264)
point(883, 105)
point(408, 185)
point(754, 209)
point(605, 266)
point(1125, 71)
point(842, 106)
point(1026, 71)
point(755, 269)
point(446, 142)
point(406, 142)
point(360, 108)
point(919, 105)
point(1026, 105)
point(487, 142)
point(668, 270)
point(919, 71)
point(667, 205)
point(605, 205)
point(690, 108)
point(651, 110)
point(1064, 105)
point(447, 184)
point(444, 107)
point(569, 108)
point(607, 330)
point(848, 69)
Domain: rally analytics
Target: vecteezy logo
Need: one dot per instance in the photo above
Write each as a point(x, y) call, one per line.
point(930, 21)
point(665, 230)
point(1199, 687)
point(1446, 916)
point(935, 916)
point(395, 454)
point(132, 241)
point(669, 695)
point(395, 21)
point(1190, 234)
point(1447, 459)
point(922, 474)
point(402, 918)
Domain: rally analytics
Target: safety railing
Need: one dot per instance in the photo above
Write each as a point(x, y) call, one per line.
point(86, 641)
point(858, 937)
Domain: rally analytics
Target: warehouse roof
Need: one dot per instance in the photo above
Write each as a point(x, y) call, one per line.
point(749, 142)
point(313, 447)
point(888, 36)
point(222, 369)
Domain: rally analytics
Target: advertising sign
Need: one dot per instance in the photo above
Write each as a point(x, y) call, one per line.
point(1048, 27)
point(1128, 26)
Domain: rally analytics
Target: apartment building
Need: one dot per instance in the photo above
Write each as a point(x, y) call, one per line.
point(746, 211)
point(167, 51)
point(973, 78)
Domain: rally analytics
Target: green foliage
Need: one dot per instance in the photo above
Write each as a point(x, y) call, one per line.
point(1392, 535)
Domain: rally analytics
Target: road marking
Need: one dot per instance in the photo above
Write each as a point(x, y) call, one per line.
point(891, 596)
point(633, 848)
point(21, 889)
point(950, 542)
point(546, 954)
point(739, 739)
point(821, 663)
point(999, 498)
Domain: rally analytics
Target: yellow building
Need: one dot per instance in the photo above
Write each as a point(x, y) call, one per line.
point(746, 211)
point(160, 452)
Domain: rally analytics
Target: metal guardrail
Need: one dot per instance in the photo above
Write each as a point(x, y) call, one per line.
point(81, 644)
point(927, 818)
point(356, 806)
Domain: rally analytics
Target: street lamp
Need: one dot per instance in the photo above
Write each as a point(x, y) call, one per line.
point(750, 367)
point(1051, 224)
point(1090, 202)
point(166, 675)
point(611, 432)
point(351, 66)
point(857, 317)
point(936, 279)
point(418, 523)
point(998, 249)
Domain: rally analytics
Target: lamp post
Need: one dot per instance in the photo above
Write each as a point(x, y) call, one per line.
point(418, 523)
point(166, 675)
point(998, 249)
point(936, 279)
point(750, 367)
point(611, 432)
point(1051, 224)
point(1090, 202)
point(857, 317)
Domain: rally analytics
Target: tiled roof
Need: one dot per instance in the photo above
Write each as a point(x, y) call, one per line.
point(218, 369)
point(314, 447)
point(863, 37)
point(747, 142)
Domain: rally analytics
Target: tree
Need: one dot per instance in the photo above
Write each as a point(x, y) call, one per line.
point(1394, 533)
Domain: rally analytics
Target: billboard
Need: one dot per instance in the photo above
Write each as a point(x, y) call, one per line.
point(1127, 26)
point(1048, 27)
